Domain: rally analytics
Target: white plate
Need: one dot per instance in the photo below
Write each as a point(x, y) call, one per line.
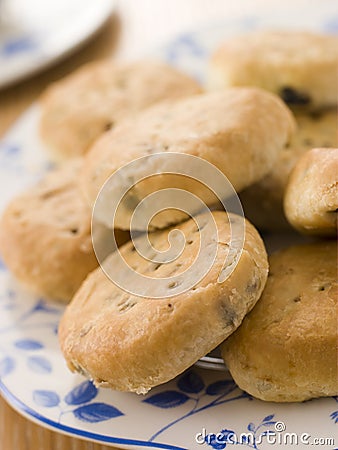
point(34, 377)
point(36, 33)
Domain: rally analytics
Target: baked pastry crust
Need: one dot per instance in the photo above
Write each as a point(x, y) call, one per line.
point(241, 131)
point(45, 235)
point(299, 66)
point(311, 196)
point(77, 109)
point(263, 201)
point(130, 343)
point(286, 348)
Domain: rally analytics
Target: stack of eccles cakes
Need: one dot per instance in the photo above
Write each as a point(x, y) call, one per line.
point(267, 121)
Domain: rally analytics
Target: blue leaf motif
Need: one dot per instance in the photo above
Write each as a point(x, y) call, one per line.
point(215, 441)
point(268, 424)
point(28, 344)
point(43, 306)
point(184, 45)
point(2, 265)
point(331, 26)
point(46, 398)
point(167, 399)
point(9, 149)
point(221, 387)
point(268, 418)
point(7, 365)
point(251, 426)
point(83, 393)
point(228, 435)
point(334, 416)
point(39, 364)
point(191, 383)
point(20, 44)
point(96, 412)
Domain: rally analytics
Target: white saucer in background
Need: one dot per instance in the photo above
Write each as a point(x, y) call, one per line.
point(36, 33)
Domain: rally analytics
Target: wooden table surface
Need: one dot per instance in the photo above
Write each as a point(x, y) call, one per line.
point(136, 26)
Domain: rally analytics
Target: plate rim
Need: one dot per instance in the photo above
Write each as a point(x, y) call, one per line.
point(35, 416)
point(108, 7)
point(56, 427)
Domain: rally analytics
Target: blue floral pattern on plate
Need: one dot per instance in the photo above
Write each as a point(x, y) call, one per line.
point(19, 44)
point(171, 416)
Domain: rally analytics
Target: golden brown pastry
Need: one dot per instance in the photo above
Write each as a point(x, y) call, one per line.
point(77, 109)
point(45, 237)
point(263, 201)
point(300, 66)
point(132, 343)
point(286, 348)
point(311, 196)
point(241, 131)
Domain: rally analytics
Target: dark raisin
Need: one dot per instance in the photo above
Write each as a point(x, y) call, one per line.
point(74, 230)
point(296, 299)
point(108, 126)
point(315, 115)
point(324, 287)
point(293, 97)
